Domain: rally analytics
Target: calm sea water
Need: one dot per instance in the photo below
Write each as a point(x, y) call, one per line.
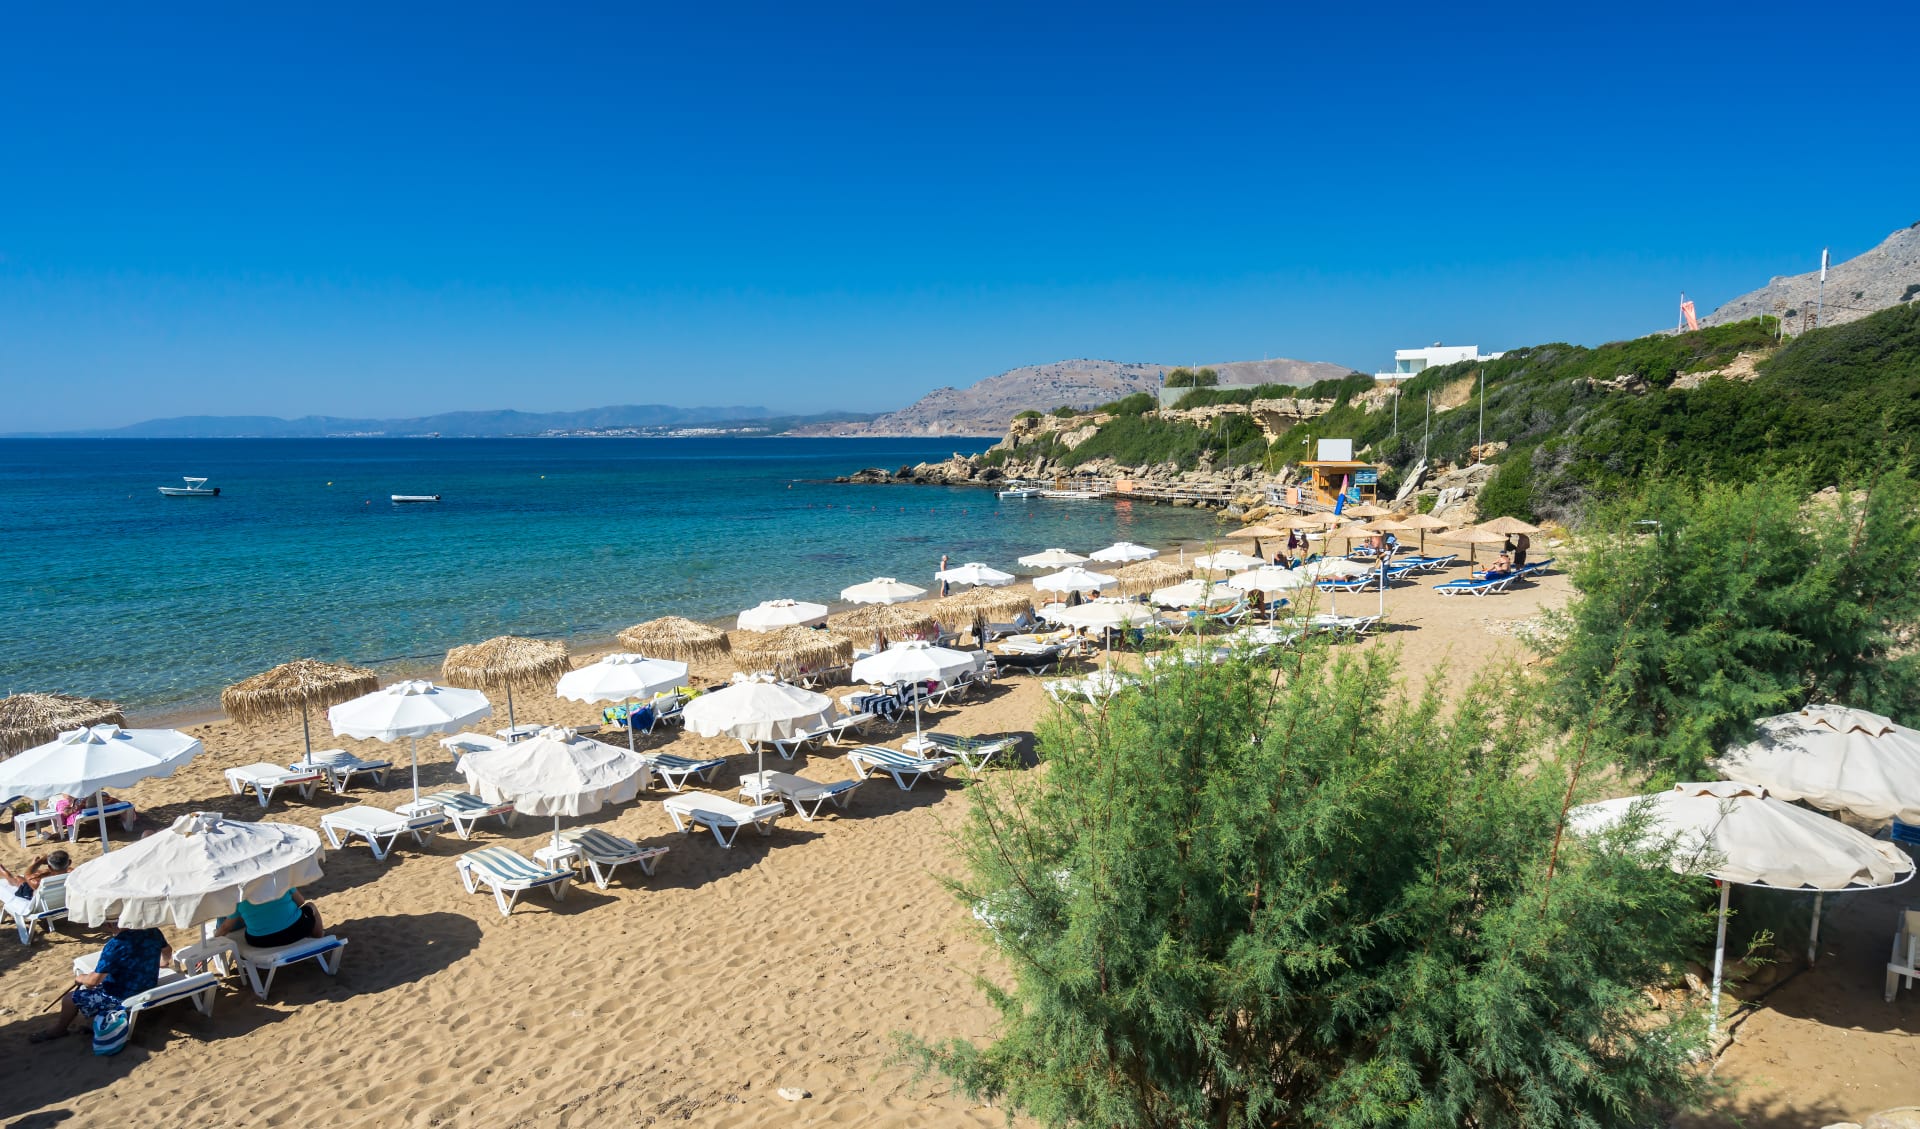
point(113, 590)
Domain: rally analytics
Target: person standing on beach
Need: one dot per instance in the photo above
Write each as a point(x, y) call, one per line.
point(945, 586)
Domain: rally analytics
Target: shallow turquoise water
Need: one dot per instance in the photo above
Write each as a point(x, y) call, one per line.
point(158, 602)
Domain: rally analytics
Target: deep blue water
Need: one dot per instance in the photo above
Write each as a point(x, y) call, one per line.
point(156, 602)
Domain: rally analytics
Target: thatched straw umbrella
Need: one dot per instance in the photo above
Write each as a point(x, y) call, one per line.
point(682, 640)
point(1145, 576)
point(978, 606)
point(790, 650)
point(299, 685)
point(1509, 526)
point(1425, 523)
point(506, 661)
point(27, 720)
point(882, 622)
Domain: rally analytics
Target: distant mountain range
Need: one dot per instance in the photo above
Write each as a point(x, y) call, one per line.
point(622, 419)
point(987, 407)
point(1888, 275)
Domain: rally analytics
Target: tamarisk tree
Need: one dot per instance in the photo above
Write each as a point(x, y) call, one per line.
point(1246, 897)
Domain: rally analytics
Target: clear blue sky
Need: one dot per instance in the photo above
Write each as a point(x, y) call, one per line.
point(393, 209)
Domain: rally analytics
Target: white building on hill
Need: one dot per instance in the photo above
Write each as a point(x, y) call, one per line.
point(1410, 362)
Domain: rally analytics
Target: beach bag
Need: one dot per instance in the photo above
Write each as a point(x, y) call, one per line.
point(110, 1031)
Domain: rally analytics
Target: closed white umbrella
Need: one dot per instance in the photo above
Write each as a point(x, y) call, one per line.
point(1835, 758)
point(412, 709)
point(86, 762)
point(555, 772)
point(622, 677)
point(881, 590)
point(1227, 560)
point(754, 709)
point(975, 574)
point(1736, 832)
point(1074, 580)
point(912, 662)
point(771, 615)
point(1124, 551)
point(195, 871)
point(1052, 558)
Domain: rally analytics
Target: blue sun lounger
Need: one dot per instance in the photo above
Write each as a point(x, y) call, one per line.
point(1479, 587)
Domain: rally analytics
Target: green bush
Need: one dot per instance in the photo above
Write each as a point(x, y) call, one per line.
point(1241, 899)
point(1030, 413)
point(1509, 493)
point(1701, 607)
point(1189, 378)
point(1133, 405)
point(1065, 411)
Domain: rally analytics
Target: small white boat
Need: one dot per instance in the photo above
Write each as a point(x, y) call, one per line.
point(402, 498)
point(194, 488)
point(1077, 495)
point(1022, 492)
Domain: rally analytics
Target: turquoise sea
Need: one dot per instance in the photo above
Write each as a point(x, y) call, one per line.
point(115, 591)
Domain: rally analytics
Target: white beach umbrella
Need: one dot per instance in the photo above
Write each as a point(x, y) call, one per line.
point(555, 772)
point(195, 871)
point(1835, 758)
point(1074, 580)
point(1227, 560)
point(1334, 568)
point(1738, 833)
point(754, 708)
point(1191, 593)
point(1268, 578)
point(881, 590)
point(1102, 615)
point(86, 762)
point(412, 709)
point(1123, 551)
point(975, 574)
point(1052, 558)
point(912, 661)
point(622, 677)
point(771, 615)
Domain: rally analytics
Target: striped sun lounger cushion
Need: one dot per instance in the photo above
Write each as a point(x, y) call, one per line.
point(510, 867)
point(464, 803)
point(684, 764)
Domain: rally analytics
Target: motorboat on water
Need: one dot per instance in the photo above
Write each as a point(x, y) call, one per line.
point(1022, 492)
point(194, 488)
point(1076, 495)
point(399, 499)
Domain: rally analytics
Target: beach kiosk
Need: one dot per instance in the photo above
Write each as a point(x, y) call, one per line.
point(1336, 471)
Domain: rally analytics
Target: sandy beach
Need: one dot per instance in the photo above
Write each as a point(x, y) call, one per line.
point(693, 996)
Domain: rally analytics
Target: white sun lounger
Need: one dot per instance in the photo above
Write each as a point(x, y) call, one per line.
point(834, 732)
point(379, 827)
point(49, 905)
point(604, 853)
point(974, 752)
point(260, 965)
point(265, 779)
point(806, 796)
point(720, 815)
point(173, 986)
point(465, 810)
point(509, 875)
point(676, 771)
point(905, 768)
point(341, 767)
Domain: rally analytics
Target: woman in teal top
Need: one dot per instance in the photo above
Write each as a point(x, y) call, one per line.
point(282, 921)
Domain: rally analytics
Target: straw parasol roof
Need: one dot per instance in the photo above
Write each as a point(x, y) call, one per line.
point(1148, 575)
point(1425, 521)
point(506, 662)
point(893, 621)
point(1294, 521)
point(295, 687)
point(991, 603)
point(1474, 535)
point(27, 720)
point(1365, 509)
point(1258, 532)
point(790, 650)
point(682, 640)
point(1508, 525)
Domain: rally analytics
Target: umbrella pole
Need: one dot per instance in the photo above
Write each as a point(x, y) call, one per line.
point(413, 754)
point(556, 816)
point(510, 723)
point(1719, 965)
point(630, 702)
point(1813, 937)
point(1383, 591)
point(306, 731)
point(100, 806)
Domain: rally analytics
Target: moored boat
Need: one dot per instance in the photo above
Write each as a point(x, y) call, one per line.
point(1022, 492)
point(194, 488)
point(401, 498)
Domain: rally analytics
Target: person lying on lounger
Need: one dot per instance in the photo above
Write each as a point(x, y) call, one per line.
point(128, 965)
point(20, 898)
point(282, 921)
point(1501, 568)
point(67, 809)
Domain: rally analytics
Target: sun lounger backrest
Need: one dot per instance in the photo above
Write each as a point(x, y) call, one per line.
point(51, 895)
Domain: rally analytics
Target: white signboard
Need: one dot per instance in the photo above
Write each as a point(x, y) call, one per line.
point(1336, 450)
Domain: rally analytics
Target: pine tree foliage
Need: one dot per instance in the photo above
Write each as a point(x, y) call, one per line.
point(1701, 607)
point(1248, 897)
